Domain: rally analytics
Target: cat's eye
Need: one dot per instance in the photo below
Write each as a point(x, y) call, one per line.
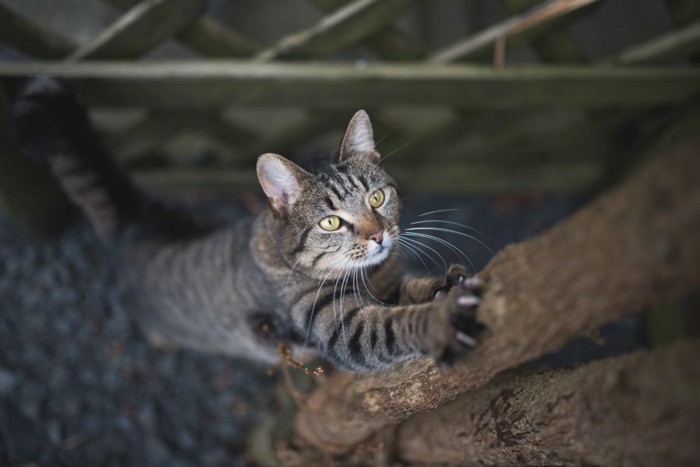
point(330, 223)
point(376, 199)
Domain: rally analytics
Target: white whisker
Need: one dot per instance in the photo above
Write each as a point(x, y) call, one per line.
point(411, 249)
point(418, 245)
point(439, 211)
point(456, 232)
point(449, 245)
point(441, 221)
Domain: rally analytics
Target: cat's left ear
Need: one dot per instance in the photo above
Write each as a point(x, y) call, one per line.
point(358, 141)
point(281, 180)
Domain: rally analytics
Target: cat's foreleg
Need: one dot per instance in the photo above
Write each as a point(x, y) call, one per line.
point(426, 289)
point(375, 337)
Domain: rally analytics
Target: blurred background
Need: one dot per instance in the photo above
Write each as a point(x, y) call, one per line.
point(504, 115)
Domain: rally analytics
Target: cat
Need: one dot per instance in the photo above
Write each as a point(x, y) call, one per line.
point(317, 270)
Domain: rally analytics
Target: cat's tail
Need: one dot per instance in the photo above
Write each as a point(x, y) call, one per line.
point(52, 125)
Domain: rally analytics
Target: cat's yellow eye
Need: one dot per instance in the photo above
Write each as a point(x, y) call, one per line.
point(376, 199)
point(330, 223)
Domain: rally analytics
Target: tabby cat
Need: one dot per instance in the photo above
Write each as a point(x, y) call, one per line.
point(317, 270)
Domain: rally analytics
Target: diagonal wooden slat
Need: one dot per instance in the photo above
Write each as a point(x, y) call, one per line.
point(208, 36)
point(200, 84)
point(315, 124)
point(24, 35)
point(683, 11)
point(150, 133)
point(141, 28)
point(518, 24)
point(341, 28)
point(389, 42)
point(678, 43)
point(556, 45)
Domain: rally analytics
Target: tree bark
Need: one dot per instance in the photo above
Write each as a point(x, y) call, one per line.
point(626, 250)
point(639, 409)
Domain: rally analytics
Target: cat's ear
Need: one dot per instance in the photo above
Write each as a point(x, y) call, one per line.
point(281, 180)
point(358, 141)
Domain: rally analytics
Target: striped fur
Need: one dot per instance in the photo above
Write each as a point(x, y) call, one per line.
point(240, 288)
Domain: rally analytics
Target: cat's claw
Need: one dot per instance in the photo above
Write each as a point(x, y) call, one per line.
point(459, 307)
point(456, 275)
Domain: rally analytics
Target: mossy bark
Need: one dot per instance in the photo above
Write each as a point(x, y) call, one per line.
point(636, 410)
point(627, 250)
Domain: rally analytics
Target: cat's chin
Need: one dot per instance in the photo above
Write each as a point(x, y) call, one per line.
point(377, 254)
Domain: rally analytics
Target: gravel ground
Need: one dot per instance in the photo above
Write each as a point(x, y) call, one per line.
point(80, 386)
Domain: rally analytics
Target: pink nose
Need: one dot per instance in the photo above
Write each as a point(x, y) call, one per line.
point(377, 237)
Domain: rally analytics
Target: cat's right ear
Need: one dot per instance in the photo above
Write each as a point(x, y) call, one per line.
point(281, 180)
point(358, 141)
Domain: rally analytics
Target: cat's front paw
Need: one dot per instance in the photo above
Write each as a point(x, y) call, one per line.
point(456, 274)
point(454, 328)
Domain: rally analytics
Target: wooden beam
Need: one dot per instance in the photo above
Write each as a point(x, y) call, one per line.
point(208, 36)
point(24, 35)
point(341, 28)
point(463, 178)
point(141, 28)
point(518, 24)
point(200, 84)
point(678, 43)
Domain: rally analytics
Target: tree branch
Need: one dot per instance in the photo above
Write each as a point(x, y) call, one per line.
point(639, 409)
point(626, 250)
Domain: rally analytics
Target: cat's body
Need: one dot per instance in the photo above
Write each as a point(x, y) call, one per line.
point(317, 271)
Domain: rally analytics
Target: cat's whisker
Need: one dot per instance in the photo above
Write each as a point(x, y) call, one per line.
point(449, 245)
point(439, 211)
point(365, 281)
point(343, 289)
point(452, 231)
point(405, 245)
point(291, 271)
point(393, 152)
point(313, 307)
point(421, 245)
point(442, 221)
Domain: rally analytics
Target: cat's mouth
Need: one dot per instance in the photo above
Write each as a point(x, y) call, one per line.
point(378, 252)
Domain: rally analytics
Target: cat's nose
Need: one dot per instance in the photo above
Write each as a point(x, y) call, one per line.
point(378, 237)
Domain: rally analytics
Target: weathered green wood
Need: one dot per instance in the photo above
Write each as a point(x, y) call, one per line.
point(213, 125)
point(463, 178)
point(141, 28)
point(341, 28)
point(683, 11)
point(674, 44)
point(214, 84)
point(146, 135)
point(159, 127)
point(555, 45)
point(538, 17)
point(316, 123)
point(29, 194)
point(24, 35)
point(208, 36)
point(388, 43)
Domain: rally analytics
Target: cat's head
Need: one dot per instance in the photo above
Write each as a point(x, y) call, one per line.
point(344, 216)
